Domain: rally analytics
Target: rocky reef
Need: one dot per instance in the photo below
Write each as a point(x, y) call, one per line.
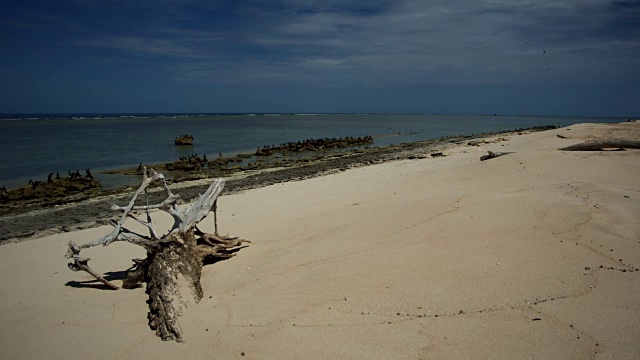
point(53, 189)
point(195, 167)
point(314, 145)
point(184, 139)
point(190, 163)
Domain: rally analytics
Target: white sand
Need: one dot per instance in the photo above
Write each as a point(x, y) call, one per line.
point(348, 265)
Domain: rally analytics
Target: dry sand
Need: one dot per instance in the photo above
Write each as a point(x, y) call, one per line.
point(432, 258)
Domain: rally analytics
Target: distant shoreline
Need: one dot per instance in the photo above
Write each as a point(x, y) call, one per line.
point(140, 114)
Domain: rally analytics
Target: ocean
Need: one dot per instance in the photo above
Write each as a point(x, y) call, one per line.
point(32, 146)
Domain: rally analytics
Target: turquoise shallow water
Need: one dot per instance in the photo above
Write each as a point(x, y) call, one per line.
point(31, 146)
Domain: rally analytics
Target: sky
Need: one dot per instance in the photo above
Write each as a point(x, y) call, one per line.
point(524, 57)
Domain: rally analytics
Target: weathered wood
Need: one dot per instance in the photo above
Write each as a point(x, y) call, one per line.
point(492, 155)
point(173, 281)
point(174, 261)
point(603, 144)
point(83, 264)
point(215, 239)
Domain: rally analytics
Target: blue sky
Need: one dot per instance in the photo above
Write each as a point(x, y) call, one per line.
point(529, 57)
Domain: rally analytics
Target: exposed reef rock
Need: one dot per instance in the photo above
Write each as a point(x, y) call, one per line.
point(191, 163)
point(222, 161)
point(314, 145)
point(184, 139)
point(53, 188)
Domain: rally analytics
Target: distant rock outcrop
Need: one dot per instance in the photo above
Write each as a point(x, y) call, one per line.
point(184, 139)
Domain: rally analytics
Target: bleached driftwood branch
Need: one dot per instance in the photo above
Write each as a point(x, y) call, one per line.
point(178, 253)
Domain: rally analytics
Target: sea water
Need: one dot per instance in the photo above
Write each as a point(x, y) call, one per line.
point(32, 146)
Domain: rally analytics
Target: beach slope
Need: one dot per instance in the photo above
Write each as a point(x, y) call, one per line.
point(529, 255)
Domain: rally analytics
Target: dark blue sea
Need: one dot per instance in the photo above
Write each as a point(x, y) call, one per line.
point(32, 146)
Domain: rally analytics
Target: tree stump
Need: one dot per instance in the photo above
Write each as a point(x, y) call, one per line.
point(174, 261)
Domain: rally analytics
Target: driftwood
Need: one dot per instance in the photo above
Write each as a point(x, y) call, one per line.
point(174, 260)
point(492, 155)
point(603, 144)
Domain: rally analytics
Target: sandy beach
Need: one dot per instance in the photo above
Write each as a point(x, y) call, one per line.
point(532, 255)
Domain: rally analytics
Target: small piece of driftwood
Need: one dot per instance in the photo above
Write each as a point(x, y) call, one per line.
point(492, 155)
point(603, 144)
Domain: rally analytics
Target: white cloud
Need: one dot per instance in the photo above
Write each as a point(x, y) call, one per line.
point(142, 45)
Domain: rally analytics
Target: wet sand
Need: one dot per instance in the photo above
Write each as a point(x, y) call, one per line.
point(529, 255)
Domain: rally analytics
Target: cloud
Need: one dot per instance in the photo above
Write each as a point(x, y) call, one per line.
point(385, 42)
point(143, 46)
point(18, 24)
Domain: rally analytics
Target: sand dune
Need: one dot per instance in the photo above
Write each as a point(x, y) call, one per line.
point(529, 255)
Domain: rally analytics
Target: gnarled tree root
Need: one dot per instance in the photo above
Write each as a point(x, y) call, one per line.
point(173, 266)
